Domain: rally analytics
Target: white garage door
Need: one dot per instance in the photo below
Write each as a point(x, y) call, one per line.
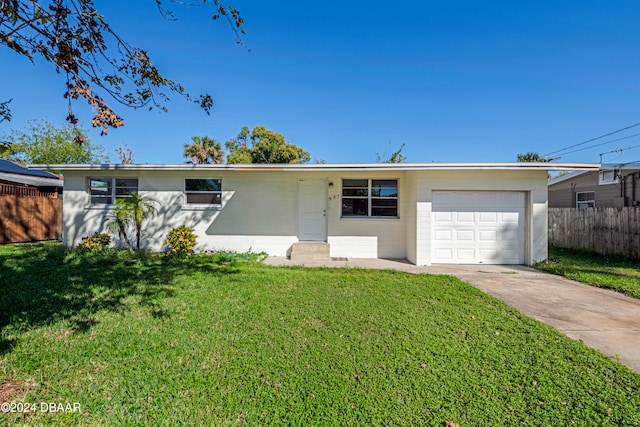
point(477, 227)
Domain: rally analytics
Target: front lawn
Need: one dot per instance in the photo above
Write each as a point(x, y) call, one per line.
point(614, 273)
point(201, 341)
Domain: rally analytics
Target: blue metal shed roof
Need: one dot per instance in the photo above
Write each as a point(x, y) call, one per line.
point(8, 166)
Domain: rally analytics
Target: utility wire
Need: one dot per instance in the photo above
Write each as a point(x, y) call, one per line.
point(618, 150)
point(600, 144)
point(592, 139)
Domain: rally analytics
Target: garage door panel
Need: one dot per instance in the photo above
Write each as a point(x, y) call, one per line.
point(443, 255)
point(488, 235)
point(510, 235)
point(442, 234)
point(465, 254)
point(488, 217)
point(464, 217)
point(487, 254)
point(478, 227)
point(465, 235)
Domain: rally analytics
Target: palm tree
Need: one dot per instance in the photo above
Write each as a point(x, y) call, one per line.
point(140, 207)
point(118, 221)
point(132, 210)
point(204, 150)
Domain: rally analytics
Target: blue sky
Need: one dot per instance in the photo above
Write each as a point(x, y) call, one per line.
point(457, 81)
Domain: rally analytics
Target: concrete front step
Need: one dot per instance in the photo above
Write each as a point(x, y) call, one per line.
point(310, 251)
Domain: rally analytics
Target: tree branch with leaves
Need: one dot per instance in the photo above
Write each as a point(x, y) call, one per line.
point(77, 39)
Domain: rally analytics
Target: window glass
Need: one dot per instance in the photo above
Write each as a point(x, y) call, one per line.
point(204, 198)
point(207, 191)
point(384, 188)
point(370, 197)
point(106, 190)
point(355, 192)
point(101, 191)
point(351, 207)
point(125, 187)
point(585, 199)
point(203, 184)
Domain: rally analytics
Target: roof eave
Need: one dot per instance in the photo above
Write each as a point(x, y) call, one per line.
point(32, 180)
point(327, 167)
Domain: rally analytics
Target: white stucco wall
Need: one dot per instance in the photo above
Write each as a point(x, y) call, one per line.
point(259, 211)
point(411, 212)
point(366, 237)
point(531, 182)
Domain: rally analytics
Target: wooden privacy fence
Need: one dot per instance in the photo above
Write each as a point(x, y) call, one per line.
point(30, 218)
point(606, 231)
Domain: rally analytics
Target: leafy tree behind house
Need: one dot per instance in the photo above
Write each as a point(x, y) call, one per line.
point(395, 157)
point(262, 145)
point(96, 61)
point(204, 150)
point(44, 143)
point(532, 157)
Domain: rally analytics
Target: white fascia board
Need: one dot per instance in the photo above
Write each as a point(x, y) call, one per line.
point(330, 167)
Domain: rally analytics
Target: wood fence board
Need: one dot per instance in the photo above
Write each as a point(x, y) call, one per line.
point(30, 219)
point(606, 231)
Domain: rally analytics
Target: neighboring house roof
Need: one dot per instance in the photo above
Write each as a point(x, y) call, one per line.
point(13, 172)
point(631, 166)
point(566, 177)
point(334, 167)
point(620, 166)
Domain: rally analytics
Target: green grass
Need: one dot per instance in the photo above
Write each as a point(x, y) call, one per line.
point(616, 273)
point(198, 341)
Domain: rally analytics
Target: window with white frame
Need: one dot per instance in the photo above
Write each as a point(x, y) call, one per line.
point(105, 191)
point(203, 191)
point(586, 199)
point(369, 198)
point(608, 176)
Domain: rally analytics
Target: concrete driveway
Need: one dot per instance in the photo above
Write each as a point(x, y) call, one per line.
point(604, 320)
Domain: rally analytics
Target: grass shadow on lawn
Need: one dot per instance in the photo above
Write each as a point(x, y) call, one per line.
point(46, 283)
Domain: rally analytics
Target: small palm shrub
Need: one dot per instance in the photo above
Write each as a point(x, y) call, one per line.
point(97, 242)
point(181, 240)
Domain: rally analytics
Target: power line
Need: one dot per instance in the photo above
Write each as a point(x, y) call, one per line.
point(602, 143)
point(592, 139)
point(618, 150)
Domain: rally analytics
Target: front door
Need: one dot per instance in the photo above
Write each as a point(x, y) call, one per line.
point(312, 197)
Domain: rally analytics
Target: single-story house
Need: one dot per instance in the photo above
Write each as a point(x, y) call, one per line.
point(18, 180)
point(613, 185)
point(466, 213)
